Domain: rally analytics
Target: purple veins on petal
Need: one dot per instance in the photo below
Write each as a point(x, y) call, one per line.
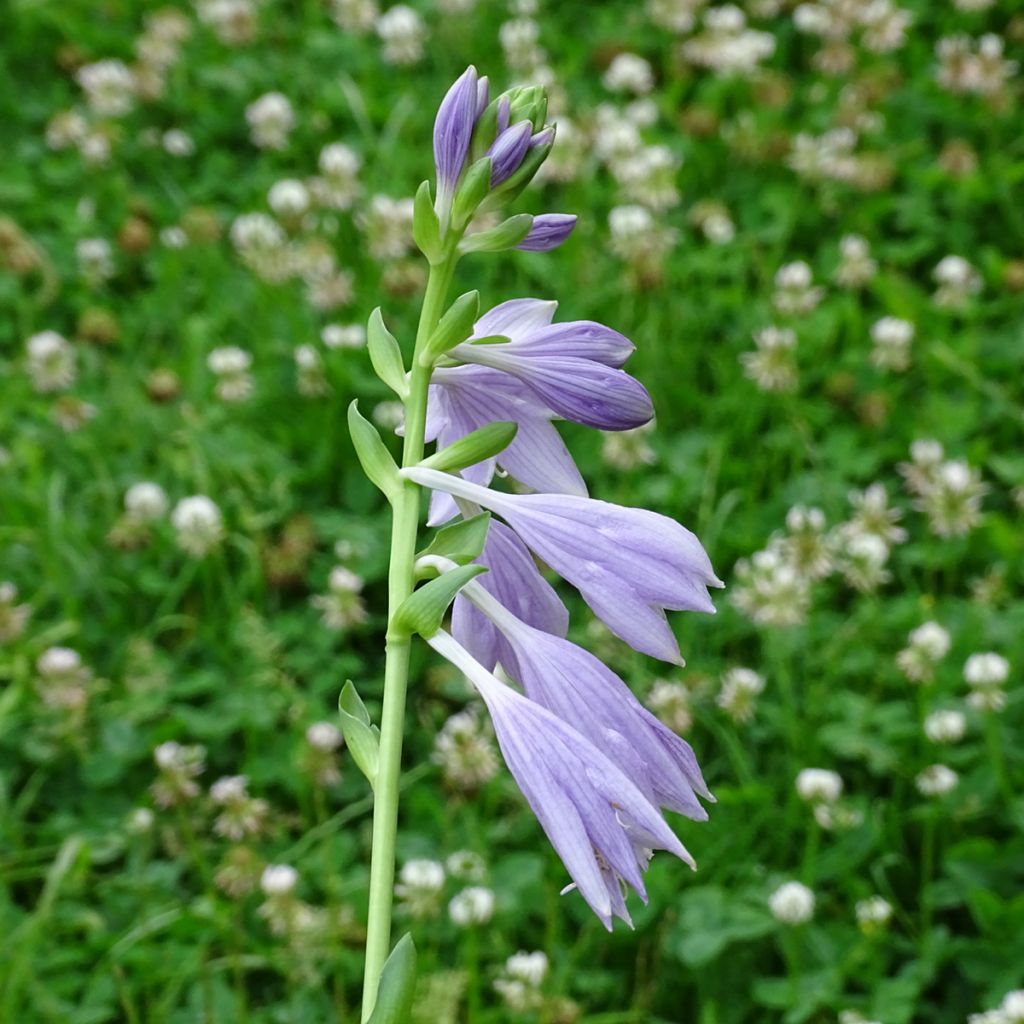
point(629, 564)
point(581, 690)
point(453, 129)
point(548, 231)
point(601, 825)
point(515, 582)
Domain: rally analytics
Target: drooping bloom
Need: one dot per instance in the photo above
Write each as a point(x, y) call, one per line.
point(580, 689)
point(599, 822)
point(629, 564)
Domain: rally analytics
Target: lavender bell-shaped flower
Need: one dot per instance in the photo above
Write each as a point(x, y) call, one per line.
point(507, 151)
point(600, 823)
point(578, 687)
point(629, 564)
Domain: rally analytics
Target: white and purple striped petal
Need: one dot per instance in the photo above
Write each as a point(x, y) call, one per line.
point(599, 822)
point(629, 564)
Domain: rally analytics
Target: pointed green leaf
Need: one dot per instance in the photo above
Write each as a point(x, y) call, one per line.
point(375, 459)
point(361, 737)
point(506, 235)
point(461, 541)
point(426, 230)
point(397, 985)
point(455, 326)
point(483, 443)
point(352, 704)
point(423, 610)
point(385, 354)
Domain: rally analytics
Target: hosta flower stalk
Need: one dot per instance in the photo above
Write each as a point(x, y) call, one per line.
point(595, 766)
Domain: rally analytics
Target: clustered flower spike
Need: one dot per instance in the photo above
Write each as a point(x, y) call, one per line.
point(595, 765)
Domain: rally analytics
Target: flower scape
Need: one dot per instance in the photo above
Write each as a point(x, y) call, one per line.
point(342, 543)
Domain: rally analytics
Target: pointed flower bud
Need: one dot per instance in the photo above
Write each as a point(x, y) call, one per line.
point(453, 133)
point(508, 150)
point(548, 231)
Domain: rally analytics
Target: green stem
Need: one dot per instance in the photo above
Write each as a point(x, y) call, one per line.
point(404, 529)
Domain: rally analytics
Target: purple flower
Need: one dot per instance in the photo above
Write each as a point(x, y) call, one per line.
point(628, 563)
point(453, 131)
point(464, 398)
point(572, 369)
point(577, 687)
point(599, 822)
point(548, 232)
point(507, 151)
point(516, 583)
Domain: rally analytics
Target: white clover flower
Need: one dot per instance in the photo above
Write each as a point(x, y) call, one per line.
point(726, 45)
point(739, 692)
point(772, 365)
point(945, 726)
point(927, 645)
point(819, 785)
point(770, 591)
point(271, 119)
point(55, 662)
point(288, 198)
point(95, 259)
point(341, 607)
point(863, 557)
point(792, 903)
point(234, 22)
point(629, 73)
point(670, 701)
point(951, 497)
point(806, 546)
point(279, 880)
point(402, 32)
point(419, 887)
point(873, 515)
point(648, 176)
point(179, 766)
point(338, 184)
point(856, 267)
point(937, 780)
point(51, 362)
point(177, 142)
point(637, 239)
point(324, 736)
point(873, 914)
point(957, 281)
point(343, 336)
point(140, 821)
point(519, 41)
point(466, 866)
point(628, 449)
point(985, 670)
point(474, 905)
point(109, 87)
point(198, 523)
point(387, 224)
point(13, 616)
point(892, 338)
point(229, 789)
point(521, 979)
point(795, 292)
point(145, 501)
point(231, 366)
point(677, 16)
point(465, 751)
point(355, 15)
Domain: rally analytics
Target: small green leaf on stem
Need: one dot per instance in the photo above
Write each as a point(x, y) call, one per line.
point(453, 328)
point(462, 542)
point(374, 457)
point(397, 985)
point(426, 229)
point(385, 355)
point(423, 610)
point(483, 443)
point(360, 736)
